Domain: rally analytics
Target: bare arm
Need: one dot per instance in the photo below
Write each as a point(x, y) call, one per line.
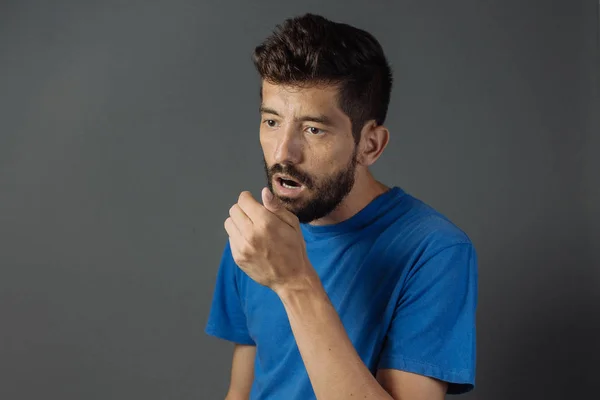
point(335, 369)
point(406, 385)
point(242, 372)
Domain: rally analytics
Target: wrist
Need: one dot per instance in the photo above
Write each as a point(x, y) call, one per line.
point(309, 284)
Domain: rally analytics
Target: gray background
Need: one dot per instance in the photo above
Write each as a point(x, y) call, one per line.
point(128, 129)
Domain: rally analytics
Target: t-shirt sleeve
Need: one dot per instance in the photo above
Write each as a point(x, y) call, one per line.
point(227, 319)
point(433, 329)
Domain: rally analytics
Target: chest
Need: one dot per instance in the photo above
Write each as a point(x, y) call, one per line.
point(361, 279)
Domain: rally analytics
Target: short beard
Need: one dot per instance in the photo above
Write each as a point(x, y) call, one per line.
point(327, 193)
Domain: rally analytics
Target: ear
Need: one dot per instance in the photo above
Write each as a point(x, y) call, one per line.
point(373, 140)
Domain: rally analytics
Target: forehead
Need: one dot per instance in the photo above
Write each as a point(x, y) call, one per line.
point(299, 100)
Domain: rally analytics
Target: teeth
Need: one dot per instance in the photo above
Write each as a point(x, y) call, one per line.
point(285, 185)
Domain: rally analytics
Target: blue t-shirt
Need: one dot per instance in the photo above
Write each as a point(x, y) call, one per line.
point(403, 279)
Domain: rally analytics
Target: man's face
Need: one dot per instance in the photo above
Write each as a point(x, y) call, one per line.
point(309, 151)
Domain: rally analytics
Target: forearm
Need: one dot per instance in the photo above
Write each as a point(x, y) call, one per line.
point(335, 369)
point(235, 397)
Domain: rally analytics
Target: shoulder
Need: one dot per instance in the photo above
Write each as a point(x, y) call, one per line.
point(426, 244)
point(418, 225)
point(436, 256)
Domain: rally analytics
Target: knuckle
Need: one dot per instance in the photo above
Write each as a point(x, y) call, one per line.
point(243, 195)
point(245, 249)
point(263, 225)
point(252, 239)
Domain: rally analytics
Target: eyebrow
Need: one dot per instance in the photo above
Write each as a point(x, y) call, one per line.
point(319, 119)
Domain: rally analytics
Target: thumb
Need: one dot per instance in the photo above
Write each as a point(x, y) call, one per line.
point(270, 202)
point(274, 205)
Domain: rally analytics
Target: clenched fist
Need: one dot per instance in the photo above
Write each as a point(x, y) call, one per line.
point(267, 243)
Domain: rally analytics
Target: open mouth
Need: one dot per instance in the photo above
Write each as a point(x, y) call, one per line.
point(289, 184)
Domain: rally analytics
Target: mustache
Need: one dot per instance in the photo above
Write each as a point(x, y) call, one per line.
point(292, 172)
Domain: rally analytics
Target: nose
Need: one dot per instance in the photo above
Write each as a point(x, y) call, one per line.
point(289, 147)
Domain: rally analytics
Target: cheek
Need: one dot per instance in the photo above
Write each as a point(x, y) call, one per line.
point(320, 167)
point(329, 159)
point(266, 145)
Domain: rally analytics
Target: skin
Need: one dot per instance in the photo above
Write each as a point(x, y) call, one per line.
point(267, 244)
point(285, 139)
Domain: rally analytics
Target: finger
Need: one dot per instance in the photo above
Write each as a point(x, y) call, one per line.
point(235, 237)
point(275, 206)
point(252, 208)
point(241, 220)
point(231, 229)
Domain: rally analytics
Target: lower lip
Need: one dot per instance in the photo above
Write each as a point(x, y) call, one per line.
point(286, 191)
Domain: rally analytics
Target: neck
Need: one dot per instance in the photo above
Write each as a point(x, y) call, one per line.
point(366, 188)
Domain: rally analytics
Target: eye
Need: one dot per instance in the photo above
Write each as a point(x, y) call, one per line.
point(314, 131)
point(270, 123)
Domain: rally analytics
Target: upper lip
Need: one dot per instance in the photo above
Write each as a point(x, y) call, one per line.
point(287, 178)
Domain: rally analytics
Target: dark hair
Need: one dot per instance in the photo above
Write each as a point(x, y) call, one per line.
point(312, 50)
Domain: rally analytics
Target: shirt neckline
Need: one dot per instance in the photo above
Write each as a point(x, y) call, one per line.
point(358, 220)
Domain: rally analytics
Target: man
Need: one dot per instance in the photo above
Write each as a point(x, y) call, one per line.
point(335, 286)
